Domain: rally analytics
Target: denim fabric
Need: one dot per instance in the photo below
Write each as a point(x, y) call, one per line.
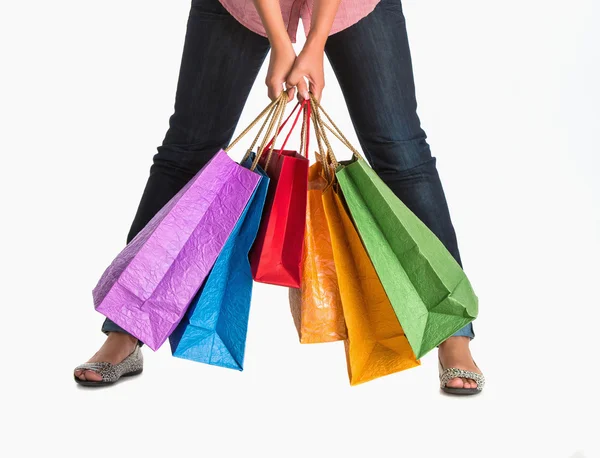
point(372, 63)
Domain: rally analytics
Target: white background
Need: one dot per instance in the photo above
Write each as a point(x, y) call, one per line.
point(508, 94)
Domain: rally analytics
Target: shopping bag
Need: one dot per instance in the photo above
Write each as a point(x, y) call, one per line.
point(214, 328)
point(148, 287)
point(276, 255)
point(376, 344)
point(430, 293)
point(316, 306)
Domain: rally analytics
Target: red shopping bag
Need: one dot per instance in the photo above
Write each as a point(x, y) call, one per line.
point(276, 256)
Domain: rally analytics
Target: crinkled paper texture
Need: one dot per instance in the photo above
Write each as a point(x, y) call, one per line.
point(376, 344)
point(216, 324)
point(276, 256)
point(429, 291)
point(316, 306)
point(148, 287)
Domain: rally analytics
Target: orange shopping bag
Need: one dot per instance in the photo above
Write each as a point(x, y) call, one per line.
point(316, 306)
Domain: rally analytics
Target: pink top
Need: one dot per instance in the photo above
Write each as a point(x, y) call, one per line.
point(349, 13)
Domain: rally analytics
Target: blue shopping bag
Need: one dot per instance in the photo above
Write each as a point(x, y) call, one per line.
point(214, 328)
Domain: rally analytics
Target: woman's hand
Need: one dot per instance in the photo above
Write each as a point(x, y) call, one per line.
point(309, 65)
point(280, 64)
point(284, 67)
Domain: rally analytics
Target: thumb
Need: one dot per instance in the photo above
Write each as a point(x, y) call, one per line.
point(291, 92)
point(296, 79)
point(303, 90)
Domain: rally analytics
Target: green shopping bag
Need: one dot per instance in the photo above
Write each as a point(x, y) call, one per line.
point(427, 288)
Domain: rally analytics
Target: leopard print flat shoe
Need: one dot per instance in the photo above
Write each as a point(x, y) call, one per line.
point(111, 373)
point(452, 372)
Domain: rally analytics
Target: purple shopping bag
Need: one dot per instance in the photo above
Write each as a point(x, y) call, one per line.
point(146, 290)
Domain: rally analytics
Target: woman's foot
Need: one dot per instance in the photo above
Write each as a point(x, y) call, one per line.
point(455, 352)
point(115, 349)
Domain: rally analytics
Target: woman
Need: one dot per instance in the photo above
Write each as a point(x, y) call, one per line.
point(367, 45)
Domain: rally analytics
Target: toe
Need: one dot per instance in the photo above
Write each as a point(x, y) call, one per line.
point(80, 374)
point(467, 383)
point(473, 383)
point(455, 383)
point(92, 376)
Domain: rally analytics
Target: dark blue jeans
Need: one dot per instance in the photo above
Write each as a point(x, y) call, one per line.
point(372, 63)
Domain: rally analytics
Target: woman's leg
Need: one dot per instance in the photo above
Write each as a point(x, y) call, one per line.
point(372, 62)
point(221, 59)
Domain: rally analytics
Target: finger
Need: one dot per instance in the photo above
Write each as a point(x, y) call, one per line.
point(303, 90)
point(291, 92)
point(317, 90)
point(294, 79)
point(274, 89)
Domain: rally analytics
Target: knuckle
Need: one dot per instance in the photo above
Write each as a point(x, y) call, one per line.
point(272, 81)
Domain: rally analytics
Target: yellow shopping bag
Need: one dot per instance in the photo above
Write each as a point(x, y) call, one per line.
point(376, 345)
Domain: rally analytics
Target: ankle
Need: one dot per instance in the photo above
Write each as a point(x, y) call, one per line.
point(455, 341)
point(123, 338)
